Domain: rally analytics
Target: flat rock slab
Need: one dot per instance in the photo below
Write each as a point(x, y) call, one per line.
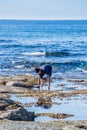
point(47, 125)
point(57, 115)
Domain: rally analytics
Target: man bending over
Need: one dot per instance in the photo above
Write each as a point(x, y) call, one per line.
point(41, 71)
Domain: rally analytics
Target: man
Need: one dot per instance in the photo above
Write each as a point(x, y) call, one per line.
point(46, 69)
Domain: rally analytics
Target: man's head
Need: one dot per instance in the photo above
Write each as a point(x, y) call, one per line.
point(38, 70)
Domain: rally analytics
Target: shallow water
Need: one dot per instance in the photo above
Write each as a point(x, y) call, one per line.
point(23, 100)
point(63, 85)
point(75, 105)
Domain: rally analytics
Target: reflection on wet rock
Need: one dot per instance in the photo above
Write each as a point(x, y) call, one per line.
point(46, 102)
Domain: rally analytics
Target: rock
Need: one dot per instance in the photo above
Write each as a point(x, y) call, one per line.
point(31, 80)
point(75, 80)
point(82, 126)
point(21, 114)
point(57, 115)
point(18, 84)
point(4, 103)
point(3, 114)
point(22, 81)
point(2, 82)
point(14, 106)
point(10, 83)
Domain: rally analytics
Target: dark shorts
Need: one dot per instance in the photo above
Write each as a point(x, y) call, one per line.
point(48, 70)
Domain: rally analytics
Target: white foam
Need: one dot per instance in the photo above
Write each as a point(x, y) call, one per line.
point(34, 53)
point(13, 62)
point(84, 71)
point(19, 66)
point(81, 70)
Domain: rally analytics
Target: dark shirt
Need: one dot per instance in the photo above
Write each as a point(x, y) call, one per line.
point(46, 69)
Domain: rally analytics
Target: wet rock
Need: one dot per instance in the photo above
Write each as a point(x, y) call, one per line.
point(58, 115)
point(21, 114)
point(14, 106)
point(20, 81)
point(4, 103)
point(4, 95)
point(31, 80)
point(18, 84)
point(2, 82)
point(3, 114)
point(82, 127)
point(60, 84)
point(10, 83)
point(75, 80)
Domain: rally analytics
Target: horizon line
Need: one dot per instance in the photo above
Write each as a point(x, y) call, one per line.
point(43, 19)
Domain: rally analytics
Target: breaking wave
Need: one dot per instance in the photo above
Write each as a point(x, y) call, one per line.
point(34, 53)
point(43, 53)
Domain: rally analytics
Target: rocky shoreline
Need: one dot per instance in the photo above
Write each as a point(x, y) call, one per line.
point(18, 118)
point(51, 125)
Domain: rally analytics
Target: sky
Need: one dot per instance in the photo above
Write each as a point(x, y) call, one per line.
point(43, 9)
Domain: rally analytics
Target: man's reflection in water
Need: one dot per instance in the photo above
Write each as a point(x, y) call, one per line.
point(46, 102)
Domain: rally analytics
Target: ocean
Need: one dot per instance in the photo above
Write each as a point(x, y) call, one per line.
point(26, 44)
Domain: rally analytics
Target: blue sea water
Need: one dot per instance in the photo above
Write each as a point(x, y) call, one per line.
point(25, 44)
